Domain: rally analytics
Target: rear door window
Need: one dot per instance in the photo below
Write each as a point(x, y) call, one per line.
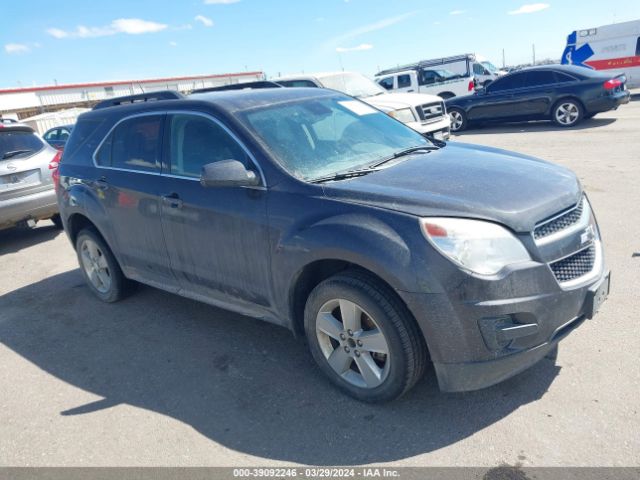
point(563, 78)
point(539, 78)
point(18, 144)
point(509, 82)
point(136, 144)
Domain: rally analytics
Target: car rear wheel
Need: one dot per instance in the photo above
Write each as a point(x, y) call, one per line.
point(363, 338)
point(458, 119)
point(99, 267)
point(567, 113)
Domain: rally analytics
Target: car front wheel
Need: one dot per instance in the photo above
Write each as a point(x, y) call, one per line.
point(363, 338)
point(567, 113)
point(458, 119)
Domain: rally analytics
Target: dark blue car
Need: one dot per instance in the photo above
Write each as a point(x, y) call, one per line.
point(563, 94)
point(311, 210)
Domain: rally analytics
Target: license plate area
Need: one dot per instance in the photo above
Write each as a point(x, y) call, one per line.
point(597, 295)
point(16, 180)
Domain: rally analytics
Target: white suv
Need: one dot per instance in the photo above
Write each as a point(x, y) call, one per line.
point(424, 113)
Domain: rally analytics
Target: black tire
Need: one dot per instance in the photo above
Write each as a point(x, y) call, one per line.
point(57, 221)
point(458, 117)
point(406, 346)
point(119, 285)
point(574, 115)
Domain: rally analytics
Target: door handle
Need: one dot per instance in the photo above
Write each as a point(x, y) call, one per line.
point(172, 200)
point(101, 184)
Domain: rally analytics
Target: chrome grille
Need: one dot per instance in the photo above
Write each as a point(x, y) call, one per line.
point(574, 266)
point(431, 111)
point(560, 222)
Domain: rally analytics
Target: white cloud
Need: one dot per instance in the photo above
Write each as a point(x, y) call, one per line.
point(358, 48)
point(130, 26)
point(173, 44)
point(220, 2)
point(207, 22)
point(457, 12)
point(530, 8)
point(16, 48)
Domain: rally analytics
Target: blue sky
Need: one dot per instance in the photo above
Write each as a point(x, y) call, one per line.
point(80, 40)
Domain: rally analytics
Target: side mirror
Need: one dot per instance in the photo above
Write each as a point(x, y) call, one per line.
point(228, 173)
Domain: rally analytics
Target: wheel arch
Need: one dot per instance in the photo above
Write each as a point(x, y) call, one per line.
point(314, 273)
point(446, 95)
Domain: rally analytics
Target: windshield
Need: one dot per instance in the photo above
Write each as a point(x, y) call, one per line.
point(316, 137)
point(489, 66)
point(352, 84)
point(18, 144)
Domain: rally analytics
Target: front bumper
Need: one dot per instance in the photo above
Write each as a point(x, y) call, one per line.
point(440, 130)
point(36, 206)
point(481, 332)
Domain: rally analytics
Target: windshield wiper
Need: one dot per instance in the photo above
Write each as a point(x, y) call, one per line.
point(13, 153)
point(404, 153)
point(343, 175)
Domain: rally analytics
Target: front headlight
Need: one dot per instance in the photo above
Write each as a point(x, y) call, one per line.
point(479, 246)
point(404, 115)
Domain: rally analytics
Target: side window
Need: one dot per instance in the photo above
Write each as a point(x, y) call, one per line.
point(479, 69)
point(103, 155)
point(538, 78)
point(297, 83)
point(427, 77)
point(563, 78)
point(197, 141)
point(508, 82)
point(52, 135)
point(404, 81)
point(638, 47)
point(136, 144)
point(386, 83)
point(64, 135)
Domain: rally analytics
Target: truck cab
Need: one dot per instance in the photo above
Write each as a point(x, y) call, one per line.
point(435, 81)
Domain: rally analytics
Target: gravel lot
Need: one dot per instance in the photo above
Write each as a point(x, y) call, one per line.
point(161, 380)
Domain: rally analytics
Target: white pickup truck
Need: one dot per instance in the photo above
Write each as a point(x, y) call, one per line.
point(424, 113)
point(431, 77)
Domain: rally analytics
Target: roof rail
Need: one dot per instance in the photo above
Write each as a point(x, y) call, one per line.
point(240, 86)
point(8, 120)
point(141, 97)
point(427, 63)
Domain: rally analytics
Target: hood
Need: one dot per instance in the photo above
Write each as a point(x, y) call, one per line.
point(395, 101)
point(467, 181)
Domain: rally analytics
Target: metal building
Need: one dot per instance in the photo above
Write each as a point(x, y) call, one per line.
point(26, 102)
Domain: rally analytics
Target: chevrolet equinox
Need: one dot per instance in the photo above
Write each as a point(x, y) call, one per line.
point(312, 210)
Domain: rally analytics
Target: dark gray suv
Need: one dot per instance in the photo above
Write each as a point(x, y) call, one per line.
point(312, 210)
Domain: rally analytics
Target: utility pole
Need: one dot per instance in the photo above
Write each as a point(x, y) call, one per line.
point(533, 47)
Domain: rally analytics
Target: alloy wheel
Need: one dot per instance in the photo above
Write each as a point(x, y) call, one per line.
point(456, 120)
point(567, 113)
point(353, 343)
point(95, 266)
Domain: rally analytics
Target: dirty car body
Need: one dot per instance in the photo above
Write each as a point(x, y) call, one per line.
point(260, 249)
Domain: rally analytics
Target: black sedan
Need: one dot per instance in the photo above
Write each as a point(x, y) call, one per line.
point(57, 137)
point(564, 94)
